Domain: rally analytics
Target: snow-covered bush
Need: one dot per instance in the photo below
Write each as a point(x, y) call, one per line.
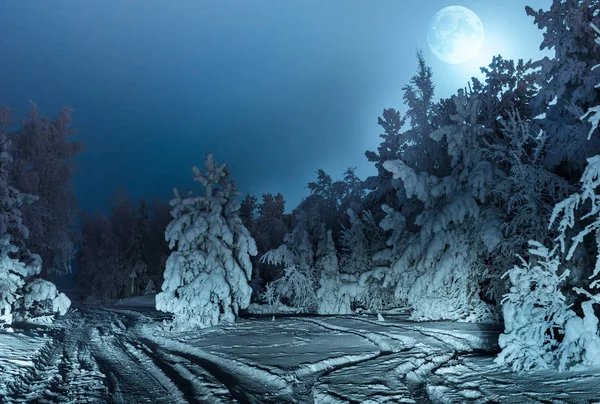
point(296, 289)
point(381, 253)
point(580, 346)
point(42, 301)
point(206, 278)
point(149, 289)
point(312, 280)
point(12, 274)
point(535, 311)
point(365, 255)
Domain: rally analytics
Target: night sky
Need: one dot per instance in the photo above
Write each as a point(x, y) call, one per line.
point(276, 89)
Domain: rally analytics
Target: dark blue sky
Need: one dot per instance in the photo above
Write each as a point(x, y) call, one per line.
point(275, 88)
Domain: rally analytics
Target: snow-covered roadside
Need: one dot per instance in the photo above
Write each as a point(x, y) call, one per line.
point(19, 352)
point(478, 379)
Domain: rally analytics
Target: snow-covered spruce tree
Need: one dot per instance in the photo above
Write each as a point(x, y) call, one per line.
point(13, 272)
point(581, 343)
point(22, 297)
point(566, 81)
point(207, 276)
point(268, 229)
point(413, 146)
point(297, 287)
point(437, 272)
point(524, 191)
point(363, 261)
point(333, 198)
point(355, 245)
point(535, 311)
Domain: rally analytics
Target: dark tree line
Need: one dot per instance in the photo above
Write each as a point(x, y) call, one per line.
point(123, 253)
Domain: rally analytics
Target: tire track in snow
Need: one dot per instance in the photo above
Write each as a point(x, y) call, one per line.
point(64, 372)
point(196, 382)
point(455, 342)
point(132, 376)
point(327, 368)
point(245, 382)
point(413, 373)
point(378, 339)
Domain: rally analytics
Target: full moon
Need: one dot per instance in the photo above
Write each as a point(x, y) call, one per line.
point(455, 34)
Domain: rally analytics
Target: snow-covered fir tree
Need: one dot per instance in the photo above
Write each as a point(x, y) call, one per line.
point(566, 81)
point(524, 191)
point(268, 229)
point(436, 273)
point(363, 259)
point(207, 276)
point(538, 309)
point(356, 254)
point(581, 344)
point(297, 287)
point(412, 145)
point(13, 272)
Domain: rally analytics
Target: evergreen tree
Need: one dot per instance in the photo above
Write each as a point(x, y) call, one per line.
point(413, 146)
point(508, 88)
point(524, 191)
point(207, 276)
point(98, 260)
point(43, 166)
point(22, 295)
point(155, 247)
point(567, 81)
point(535, 308)
point(297, 287)
point(333, 198)
point(436, 273)
point(269, 230)
point(247, 210)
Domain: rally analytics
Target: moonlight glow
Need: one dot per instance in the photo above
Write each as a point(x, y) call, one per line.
point(455, 34)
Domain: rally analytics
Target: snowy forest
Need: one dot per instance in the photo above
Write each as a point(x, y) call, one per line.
point(483, 210)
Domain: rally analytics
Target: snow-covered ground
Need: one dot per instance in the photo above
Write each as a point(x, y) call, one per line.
point(123, 354)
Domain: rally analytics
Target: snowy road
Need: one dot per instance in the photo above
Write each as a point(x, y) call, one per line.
point(122, 355)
